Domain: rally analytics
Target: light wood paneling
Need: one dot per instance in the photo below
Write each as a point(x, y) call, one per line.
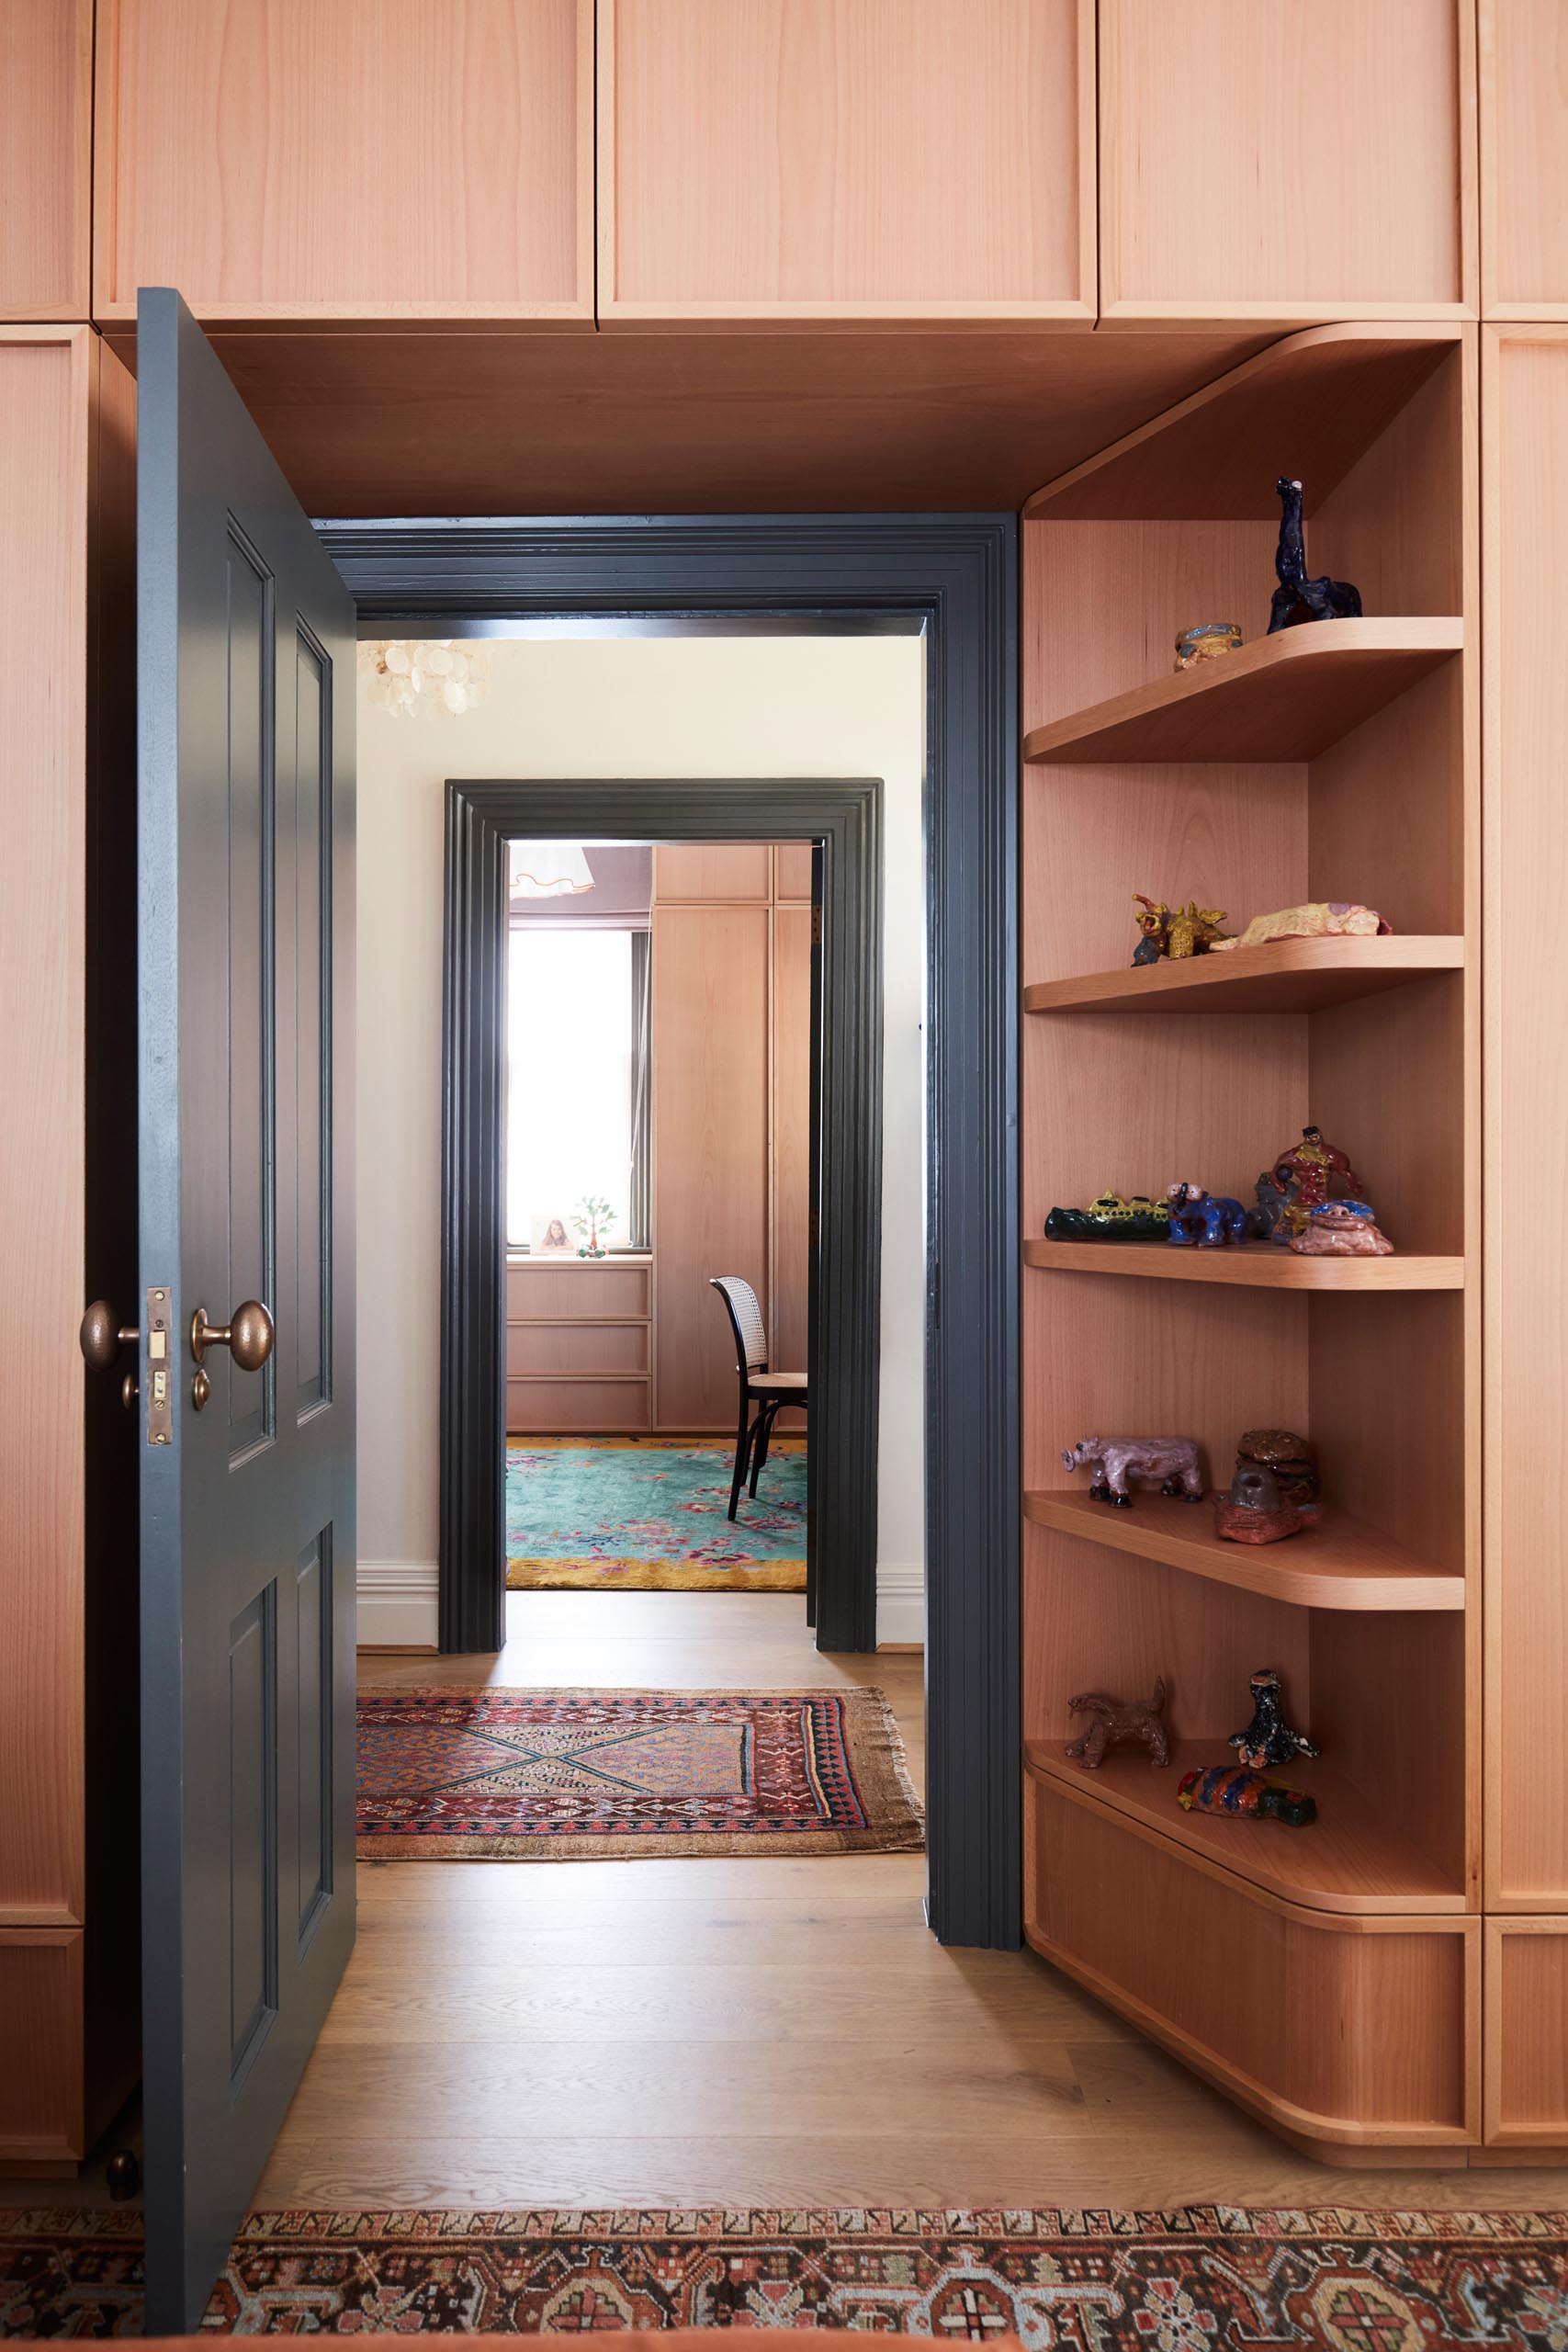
point(792, 871)
point(558, 1406)
point(726, 872)
point(798, 160)
point(1524, 158)
point(1525, 475)
point(1172, 1960)
point(710, 1147)
point(544, 1348)
point(40, 2048)
point(1527, 2032)
point(375, 159)
point(46, 387)
point(46, 129)
point(790, 1146)
point(1303, 164)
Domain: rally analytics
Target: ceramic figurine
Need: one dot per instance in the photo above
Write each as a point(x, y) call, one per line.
point(1110, 1218)
point(1255, 1511)
point(1308, 1173)
point(1152, 925)
point(1115, 1719)
point(1236, 1795)
point(1268, 1739)
point(1324, 918)
point(1266, 1222)
point(1200, 1219)
point(1181, 932)
point(1206, 642)
point(1172, 1462)
point(1297, 598)
point(1341, 1230)
point(1293, 1461)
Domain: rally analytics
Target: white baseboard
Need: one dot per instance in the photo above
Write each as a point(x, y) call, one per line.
point(397, 1604)
point(900, 1602)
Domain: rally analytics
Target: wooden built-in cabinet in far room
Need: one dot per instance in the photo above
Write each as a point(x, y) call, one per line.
point(731, 1115)
point(69, 2002)
point(1524, 158)
point(369, 160)
point(1284, 163)
point(803, 161)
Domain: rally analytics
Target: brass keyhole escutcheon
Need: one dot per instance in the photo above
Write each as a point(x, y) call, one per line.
point(200, 1389)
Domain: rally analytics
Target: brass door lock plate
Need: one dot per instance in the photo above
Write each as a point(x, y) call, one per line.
point(160, 1371)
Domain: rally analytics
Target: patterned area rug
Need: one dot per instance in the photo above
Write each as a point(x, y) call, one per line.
point(652, 1515)
point(1209, 2280)
point(542, 1776)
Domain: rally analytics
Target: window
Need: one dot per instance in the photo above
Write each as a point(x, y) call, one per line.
point(575, 1069)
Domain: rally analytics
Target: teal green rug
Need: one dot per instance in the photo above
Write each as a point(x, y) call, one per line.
point(650, 1515)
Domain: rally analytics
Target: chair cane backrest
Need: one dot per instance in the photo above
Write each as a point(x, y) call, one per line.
point(745, 1319)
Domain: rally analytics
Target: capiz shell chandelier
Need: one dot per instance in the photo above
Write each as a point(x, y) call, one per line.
point(433, 677)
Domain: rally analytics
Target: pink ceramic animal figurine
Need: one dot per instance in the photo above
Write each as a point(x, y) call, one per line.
point(1341, 1230)
point(1171, 1461)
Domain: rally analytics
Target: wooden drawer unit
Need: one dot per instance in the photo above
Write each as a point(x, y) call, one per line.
point(611, 1408)
point(576, 1348)
point(1214, 1968)
point(573, 1290)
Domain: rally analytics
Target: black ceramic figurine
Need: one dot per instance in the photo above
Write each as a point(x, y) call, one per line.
point(1297, 598)
point(1268, 1739)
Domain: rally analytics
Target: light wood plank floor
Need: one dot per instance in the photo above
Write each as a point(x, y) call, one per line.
point(742, 2032)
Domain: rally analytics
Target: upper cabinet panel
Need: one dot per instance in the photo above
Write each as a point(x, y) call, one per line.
point(1282, 161)
point(46, 131)
point(778, 161)
point(363, 158)
point(1524, 158)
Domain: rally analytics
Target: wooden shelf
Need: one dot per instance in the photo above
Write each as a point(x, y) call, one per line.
point(1284, 697)
point(1287, 976)
point(1257, 1262)
point(1325, 394)
point(1346, 1862)
point(1339, 1564)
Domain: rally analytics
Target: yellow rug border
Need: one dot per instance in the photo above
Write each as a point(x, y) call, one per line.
point(651, 1576)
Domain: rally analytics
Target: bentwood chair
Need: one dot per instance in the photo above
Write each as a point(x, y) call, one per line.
point(770, 1392)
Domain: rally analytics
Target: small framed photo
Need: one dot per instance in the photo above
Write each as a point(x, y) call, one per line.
point(548, 1238)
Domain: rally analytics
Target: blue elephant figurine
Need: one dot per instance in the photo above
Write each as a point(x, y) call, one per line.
point(1203, 1221)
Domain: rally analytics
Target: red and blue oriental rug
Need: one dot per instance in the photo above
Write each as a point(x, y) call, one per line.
point(652, 1515)
point(539, 1776)
point(1207, 2279)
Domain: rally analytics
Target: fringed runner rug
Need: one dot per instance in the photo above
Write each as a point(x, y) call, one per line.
point(652, 1515)
point(540, 1776)
point(1208, 2280)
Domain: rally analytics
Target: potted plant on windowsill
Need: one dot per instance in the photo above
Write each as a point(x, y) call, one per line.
point(593, 1219)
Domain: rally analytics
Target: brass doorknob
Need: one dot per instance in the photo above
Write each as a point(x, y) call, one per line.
point(248, 1338)
point(102, 1335)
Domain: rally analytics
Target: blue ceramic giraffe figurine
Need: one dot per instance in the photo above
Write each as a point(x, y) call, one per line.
point(1297, 598)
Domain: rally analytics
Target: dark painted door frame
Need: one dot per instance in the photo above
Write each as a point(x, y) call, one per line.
point(481, 818)
point(955, 576)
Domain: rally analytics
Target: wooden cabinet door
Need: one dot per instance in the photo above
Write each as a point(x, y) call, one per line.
point(46, 129)
point(710, 1147)
point(1524, 158)
point(1287, 162)
point(804, 159)
point(375, 159)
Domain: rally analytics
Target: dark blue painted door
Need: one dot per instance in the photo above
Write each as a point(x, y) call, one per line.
point(245, 645)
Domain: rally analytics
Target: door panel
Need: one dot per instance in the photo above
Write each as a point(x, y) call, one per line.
point(245, 812)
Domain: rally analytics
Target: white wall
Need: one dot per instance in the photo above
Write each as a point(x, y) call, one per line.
point(610, 707)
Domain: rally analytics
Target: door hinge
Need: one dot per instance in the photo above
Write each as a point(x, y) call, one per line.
point(816, 926)
point(160, 1371)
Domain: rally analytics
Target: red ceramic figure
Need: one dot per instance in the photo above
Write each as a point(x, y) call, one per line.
point(1308, 1173)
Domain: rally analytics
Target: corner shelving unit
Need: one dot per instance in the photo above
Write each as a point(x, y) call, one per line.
point(1327, 1978)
